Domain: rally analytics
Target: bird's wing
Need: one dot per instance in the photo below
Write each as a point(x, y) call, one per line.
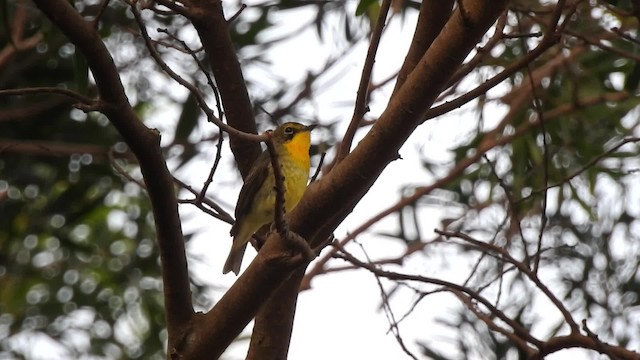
point(252, 184)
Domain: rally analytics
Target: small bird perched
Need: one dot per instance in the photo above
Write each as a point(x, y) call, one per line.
point(256, 201)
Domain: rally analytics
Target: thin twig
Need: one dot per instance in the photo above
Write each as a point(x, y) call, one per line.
point(122, 171)
point(360, 106)
point(470, 65)
point(194, 56)
point(548, 41)
point(319, 168)
point(49, 90)
point(524, 268)
point(103, 6)
point(491, 324)
point(214, 167)
point(279, 220)
point(219, 212)
point(513, 209)
point(391, 318)
point(625, 36)
point(216, 94)
point(180, 80)
point(537, 104)
point(278, 176)
point(600, 345)
point(584, 168)
point(171, 4)
point(517, 328)
point(237, 14)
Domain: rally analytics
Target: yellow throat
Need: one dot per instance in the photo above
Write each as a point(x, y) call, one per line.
point(298, 148)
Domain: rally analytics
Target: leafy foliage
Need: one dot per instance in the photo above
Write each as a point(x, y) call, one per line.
point(78, 258)
point(551, 182)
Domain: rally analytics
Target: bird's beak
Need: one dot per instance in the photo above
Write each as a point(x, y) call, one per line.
point(310, 127)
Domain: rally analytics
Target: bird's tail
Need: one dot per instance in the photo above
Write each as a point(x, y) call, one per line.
point(234, 260)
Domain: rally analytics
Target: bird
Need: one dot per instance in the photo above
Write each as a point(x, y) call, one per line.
point(256, 202)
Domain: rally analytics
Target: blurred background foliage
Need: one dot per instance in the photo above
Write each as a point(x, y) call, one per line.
point(583, 150)
point(78, 260)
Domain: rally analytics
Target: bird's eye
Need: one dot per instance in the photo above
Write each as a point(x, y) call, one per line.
point(288, 130)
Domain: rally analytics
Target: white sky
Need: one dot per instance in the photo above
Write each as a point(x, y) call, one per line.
point(339, 318)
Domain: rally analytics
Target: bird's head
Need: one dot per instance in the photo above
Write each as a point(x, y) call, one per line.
point(290, 131)
point(295, 139)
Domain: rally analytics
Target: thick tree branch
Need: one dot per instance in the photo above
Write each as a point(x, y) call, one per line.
point(432, 17)
point(145, 144)
point(329, 200)
point(582, 341)
point(360, 107)
point(350, 180)
point(275, 322)
point(208, 19)
point(214, 331)
point(492, 139)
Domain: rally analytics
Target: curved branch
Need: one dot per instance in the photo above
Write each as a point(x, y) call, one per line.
point(558, 343)
point(491, 140)
point(360, 107)
point(524, 269)
point(208, 19)
point(431, 19)
point(329, 200)
point(549, 39)
point(518, 330)
point(49, 90)
point(197, 94)
point(145, 144)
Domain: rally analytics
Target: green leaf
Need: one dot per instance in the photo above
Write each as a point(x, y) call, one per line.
point(364, 5)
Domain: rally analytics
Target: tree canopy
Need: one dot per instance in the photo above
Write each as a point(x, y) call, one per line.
point(106, 107)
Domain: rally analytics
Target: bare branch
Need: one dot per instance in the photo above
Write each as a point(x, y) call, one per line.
point(219, 212)
point(49, 90)
point(523, 268)
point(432, 17)
point(192, 89)
point(582, 341)
point(213, 29)
point(279, 220)
point(492, 140)
point(516, 327)
point(488, 320)
point(360, 107)
point(389, 312)
point(103, 6)
point(549, 40)
point(57, 149)
point(145, 144)
point(17, 41)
